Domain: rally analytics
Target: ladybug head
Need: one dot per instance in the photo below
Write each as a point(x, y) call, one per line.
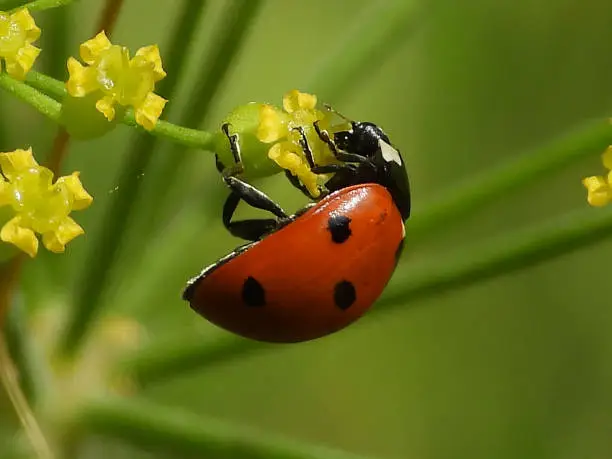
point(362, 139)
point(383, 162)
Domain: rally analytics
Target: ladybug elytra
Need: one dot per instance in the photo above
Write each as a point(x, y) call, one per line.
point(307, 275)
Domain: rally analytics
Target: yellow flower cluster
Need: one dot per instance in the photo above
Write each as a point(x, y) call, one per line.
point(599, 188)
point(17, 33)
point(279, 127)
point(37, 205)
point(119, 79)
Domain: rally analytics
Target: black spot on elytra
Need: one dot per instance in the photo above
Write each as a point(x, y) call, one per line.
point(344, 294)
point(398, 251)
point(338, 226)
point(253, 294)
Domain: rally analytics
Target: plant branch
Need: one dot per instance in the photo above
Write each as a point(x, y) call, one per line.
point(184, 434)
point(44, 104)
point(519, 172)
point(231, 34)
point(41, 5)
point(381, 28)
point(8, 375)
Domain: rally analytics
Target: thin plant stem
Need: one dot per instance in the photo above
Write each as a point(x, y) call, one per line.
point(108, 19)
point(19, 349)
point(237, 18)
point(9, 377)
point(533, 166)
point(6, 5)
point(9, 275)
point(55, 43)
point(88, 295)
point(182, 434)
point(44, 104)
point(41, 5)
point(144, 146)
point(381, 28)
point(36, 94)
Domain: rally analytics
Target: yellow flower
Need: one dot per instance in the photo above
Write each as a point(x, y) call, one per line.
point(599, 188)
point(17, 32)
point(37, 204)
point(120, 80)
point(278, 127)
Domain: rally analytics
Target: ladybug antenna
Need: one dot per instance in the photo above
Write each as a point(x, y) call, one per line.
point(331, 109)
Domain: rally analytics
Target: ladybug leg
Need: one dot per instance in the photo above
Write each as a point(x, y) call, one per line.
point(237, 168)
point(331, 168)
point(251, 230)
point(305, 147)
point(296, 183)
point(340, 155)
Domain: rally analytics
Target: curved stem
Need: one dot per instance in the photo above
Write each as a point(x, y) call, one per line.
point(8, 375)
point(381, 28)
point(519, 172)
point(41, 5)
point(232, 31)
point(183, 434)
point(44, 104)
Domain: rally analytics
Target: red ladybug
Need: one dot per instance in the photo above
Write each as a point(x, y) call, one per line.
point(313, 273)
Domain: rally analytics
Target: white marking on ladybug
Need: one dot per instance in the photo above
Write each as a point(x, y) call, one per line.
point(403, 230)
point(389, 153)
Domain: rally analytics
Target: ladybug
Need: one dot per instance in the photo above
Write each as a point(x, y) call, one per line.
point(310, 274)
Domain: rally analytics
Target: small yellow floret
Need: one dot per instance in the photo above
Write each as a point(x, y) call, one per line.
point(17, 33)
point(39, 205)
point(295, 100)
point(280, 126)
point(284, 155)
point(599, 188)
point(120, 80)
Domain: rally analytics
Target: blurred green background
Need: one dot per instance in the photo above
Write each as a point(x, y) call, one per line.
point(516, 367)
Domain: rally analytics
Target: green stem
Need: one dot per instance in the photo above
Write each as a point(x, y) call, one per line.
point(19, 349)
point(44, 104)
point(519, 172)
point(6, 5)
point(183, 434)
point(55, 43)
point(192, 138)
point(143, 146)
point(186, 137)
point(493, 259)
point(380, 30)
point(236, 20)
point(88, 296)
point(46, 84)
point(40, 5)
point(500, 256)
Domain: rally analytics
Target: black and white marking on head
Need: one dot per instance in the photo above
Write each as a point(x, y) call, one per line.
point(344, 294)
point(253, 293)
point(338, 226)
point(389, 154)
